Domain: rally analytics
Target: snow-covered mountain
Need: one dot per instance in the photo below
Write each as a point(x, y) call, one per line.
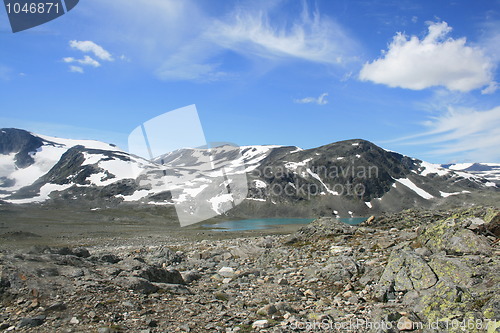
point(490, 171)
point(347, 178)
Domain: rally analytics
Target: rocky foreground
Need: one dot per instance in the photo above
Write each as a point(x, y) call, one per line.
point(420, 271)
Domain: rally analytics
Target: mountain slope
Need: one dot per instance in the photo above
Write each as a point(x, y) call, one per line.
point(356, 177)
point(347, 178)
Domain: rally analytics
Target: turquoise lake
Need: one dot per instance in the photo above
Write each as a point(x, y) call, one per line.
point(259, 224)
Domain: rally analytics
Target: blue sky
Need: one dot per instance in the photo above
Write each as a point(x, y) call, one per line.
point(417, 77)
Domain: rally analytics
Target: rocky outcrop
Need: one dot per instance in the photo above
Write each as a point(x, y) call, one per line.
point(449, 273)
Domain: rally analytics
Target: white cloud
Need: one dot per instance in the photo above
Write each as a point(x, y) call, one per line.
point(89, 61)
point(91, 47)
point(86, 61)
point(76, 69)
point(309, 37)
point(436, 60)
point(321, 100)
point(87, 47)
point(466, 132)
point(491, 88)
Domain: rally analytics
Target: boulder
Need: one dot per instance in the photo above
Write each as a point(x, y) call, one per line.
point(137, 284)
point(320, 228)
point(453, 236)
point(405, 271)
point(155, 274)
point(340, 268)
point(32, 321)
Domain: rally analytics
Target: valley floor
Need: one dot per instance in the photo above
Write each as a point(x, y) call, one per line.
point(421, 271)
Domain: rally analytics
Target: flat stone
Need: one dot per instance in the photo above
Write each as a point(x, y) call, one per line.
point(260, 324)
point(227, 272)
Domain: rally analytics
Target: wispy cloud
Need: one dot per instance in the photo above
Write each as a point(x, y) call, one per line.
point(88, 61)
point(310, 37)
point(87, 47)
point(251, 33)
point(321, 100)
point(91, 47)
point(436, 60)
point(470, 133)
point(76, 69)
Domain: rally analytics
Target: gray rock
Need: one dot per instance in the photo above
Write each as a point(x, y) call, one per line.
point(467, 242)
point(190, 276)
point(260, 324)
point(110, 258)
point(267, 310)
point(405, 271)
point(177, 289)
point(32, 321)
point(155, 274)
point(72, 272)
point(227, 272)
point(56, 307)
point(81, 252)
point(340, 268)
point(137, 284)
point(322, 227)
point(453, 237)
point(423, 251)
point(284, 307)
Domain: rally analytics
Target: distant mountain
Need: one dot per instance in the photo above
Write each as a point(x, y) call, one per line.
point(490, 171)
point(347, 178)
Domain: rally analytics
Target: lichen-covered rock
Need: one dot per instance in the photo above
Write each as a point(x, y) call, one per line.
point(446, 303)
point(459, 271)
point(455, 237)
point(405, 271)
point(492, 219)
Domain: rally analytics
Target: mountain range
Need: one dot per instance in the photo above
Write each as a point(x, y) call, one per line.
point(345, 179)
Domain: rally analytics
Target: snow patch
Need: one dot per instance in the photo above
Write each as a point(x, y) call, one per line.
point(296, 150)
point(296, 165)
point(445, 195)
point(461, 166)
point(92, 144)
point(137, 195)
point(322, 183)
point(219, 200)
point(368, 204)
point(430, 168)
point(408, 183)
point(45, 191)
